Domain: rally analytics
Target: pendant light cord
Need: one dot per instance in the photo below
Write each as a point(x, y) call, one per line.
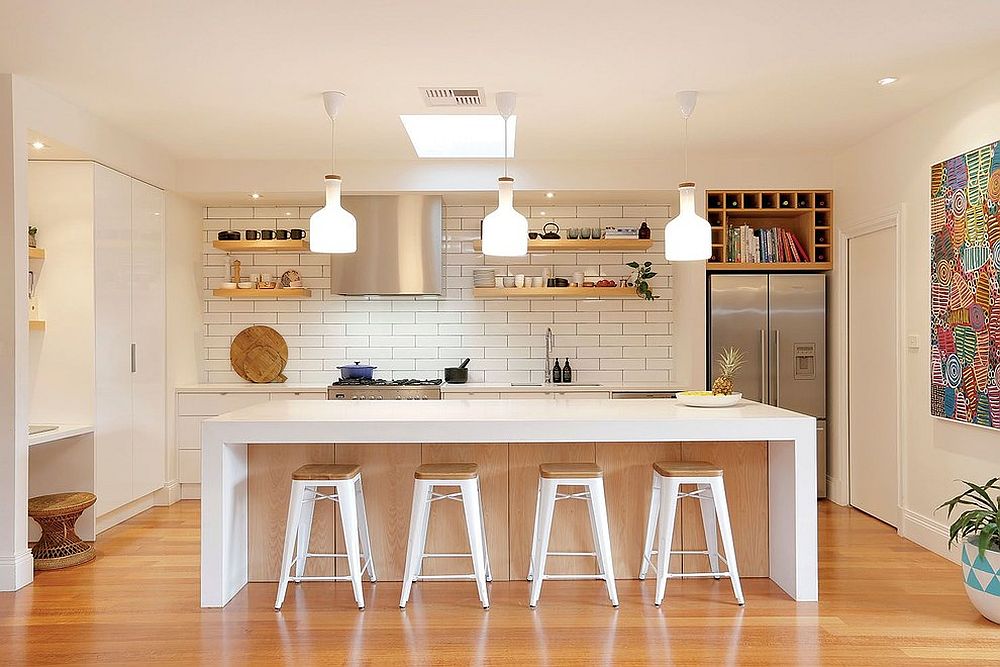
point(686, 177)
point(504, 147)
point(333, 144)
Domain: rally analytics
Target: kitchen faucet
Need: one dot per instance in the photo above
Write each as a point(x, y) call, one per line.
point(550, 347)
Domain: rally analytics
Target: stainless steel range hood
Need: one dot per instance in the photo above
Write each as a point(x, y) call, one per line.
point(399, 247)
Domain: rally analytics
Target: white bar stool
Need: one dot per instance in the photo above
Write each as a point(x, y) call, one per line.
point(465, 476)
point(668, 477)
point(550, 477)
point(345, 479)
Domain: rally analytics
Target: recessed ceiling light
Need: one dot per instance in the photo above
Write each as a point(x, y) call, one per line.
point(887, 80)
point(254, 195)
point(459, 136)
point(38, 145)
point(550, 195)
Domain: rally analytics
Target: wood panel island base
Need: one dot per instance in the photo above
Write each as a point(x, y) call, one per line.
point(768, 455)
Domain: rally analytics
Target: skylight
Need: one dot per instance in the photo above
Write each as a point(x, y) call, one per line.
point(459, 136)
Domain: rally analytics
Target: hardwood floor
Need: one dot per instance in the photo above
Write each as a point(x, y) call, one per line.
point(138, 604)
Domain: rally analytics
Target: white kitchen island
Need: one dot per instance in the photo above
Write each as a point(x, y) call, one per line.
point(791, 534)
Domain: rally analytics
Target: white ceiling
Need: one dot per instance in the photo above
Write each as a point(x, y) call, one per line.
point(230, 79)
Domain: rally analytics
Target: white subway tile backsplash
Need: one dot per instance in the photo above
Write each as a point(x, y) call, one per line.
point(608, 340)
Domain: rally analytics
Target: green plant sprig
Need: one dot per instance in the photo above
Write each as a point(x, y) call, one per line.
point(644, 272)
point(982, 519)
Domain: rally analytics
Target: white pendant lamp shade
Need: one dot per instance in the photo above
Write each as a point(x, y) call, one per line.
point(333, 229)
point(505, 231)
point(688, 237)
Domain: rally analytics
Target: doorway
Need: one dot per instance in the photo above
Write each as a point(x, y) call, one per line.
point(873, 369)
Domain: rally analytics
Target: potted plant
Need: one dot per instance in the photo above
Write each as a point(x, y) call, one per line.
point(642, 272)
point(976, 528)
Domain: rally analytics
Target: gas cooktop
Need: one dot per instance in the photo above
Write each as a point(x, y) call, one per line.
point(363, 382)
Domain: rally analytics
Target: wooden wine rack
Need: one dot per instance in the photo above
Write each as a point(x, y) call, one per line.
point(808, 214)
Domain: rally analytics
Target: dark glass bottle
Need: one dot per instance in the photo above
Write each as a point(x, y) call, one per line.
point(567, 372)
point(556, 372)
point(644, 231)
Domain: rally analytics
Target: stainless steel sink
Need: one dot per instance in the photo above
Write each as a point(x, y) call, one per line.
point(35, 429)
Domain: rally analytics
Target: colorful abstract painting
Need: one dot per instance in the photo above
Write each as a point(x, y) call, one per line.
point(965, 287)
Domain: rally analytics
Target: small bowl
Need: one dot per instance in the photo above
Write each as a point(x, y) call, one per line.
point(508, 281)
point(228, 285)
point(246, 285)
point(295, 283)
point(532, 235)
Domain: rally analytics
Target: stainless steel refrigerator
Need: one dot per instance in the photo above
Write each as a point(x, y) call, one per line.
point(779, 322)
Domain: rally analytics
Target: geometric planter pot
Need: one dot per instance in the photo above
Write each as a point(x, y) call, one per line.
point(982, 579)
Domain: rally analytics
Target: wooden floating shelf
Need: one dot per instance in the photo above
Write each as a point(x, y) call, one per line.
point(285, 293)
point(557, 292)
point(36, 325)
point(582, 245)
point(288, 245)
point(36, 253)
point(770, 266)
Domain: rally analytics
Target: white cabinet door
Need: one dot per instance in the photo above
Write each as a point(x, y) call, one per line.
point(112, 354)
point(149, 400)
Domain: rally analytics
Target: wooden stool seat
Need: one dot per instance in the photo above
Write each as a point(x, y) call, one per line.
point(570, 470)
point(327, 471)
point(687, 469)
point(59, 546)
point(448, 471)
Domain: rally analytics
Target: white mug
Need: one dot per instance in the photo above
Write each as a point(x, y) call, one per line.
point(538, 281)
point(578, 278)
point(519, 280)
point(498, 281)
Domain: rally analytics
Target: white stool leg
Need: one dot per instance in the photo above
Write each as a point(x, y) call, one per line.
point(668, 511)
point(722, 509)
point(305, 530)
point(654, 511)
point(349, 519)
point(534, 530)
point(707, 505)
point(291, 529)
point(418, 518)
point(477, 545)
point(593, 532)
point(599, 507)
point(486, 550)
point(366, 540)
point(547, 501)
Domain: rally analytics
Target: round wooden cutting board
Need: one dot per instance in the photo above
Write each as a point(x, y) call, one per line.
point(259, 354)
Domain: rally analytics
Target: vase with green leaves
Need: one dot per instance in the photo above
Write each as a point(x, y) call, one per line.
point(976, 530)
point(642, 274)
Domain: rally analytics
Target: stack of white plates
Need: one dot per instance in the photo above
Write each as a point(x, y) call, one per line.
point(484, 278)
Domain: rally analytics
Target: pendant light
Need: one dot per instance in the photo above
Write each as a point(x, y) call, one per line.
point(505, 231)
point(333, 229)
point(688, 237)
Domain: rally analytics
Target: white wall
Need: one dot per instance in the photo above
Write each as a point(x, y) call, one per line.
point(607, 340)
point(890, 169)
point(184, 248)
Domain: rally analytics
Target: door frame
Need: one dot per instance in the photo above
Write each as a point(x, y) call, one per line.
point(889, 219)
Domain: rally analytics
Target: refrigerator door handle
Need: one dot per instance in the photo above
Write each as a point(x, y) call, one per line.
point(777, 367)
point(763, 366)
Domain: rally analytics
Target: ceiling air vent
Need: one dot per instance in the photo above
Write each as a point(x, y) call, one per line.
point(453, 97)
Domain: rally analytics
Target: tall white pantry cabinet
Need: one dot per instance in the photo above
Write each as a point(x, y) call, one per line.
point(117, 373)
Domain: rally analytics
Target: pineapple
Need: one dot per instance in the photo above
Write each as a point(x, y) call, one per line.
point(729, 362)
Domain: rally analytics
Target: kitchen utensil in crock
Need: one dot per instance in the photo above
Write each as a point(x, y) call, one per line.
point(554, 234)
point(356, 371)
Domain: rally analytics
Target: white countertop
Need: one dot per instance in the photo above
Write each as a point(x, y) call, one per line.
point(511, 420)
point(275, 387)
point(61, 432)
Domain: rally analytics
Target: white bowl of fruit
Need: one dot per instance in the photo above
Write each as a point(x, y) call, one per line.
point(722, 394)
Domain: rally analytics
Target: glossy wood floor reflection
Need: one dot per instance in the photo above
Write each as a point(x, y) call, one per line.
point(138, 604)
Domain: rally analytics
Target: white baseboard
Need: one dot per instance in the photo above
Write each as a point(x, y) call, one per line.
point(129, 510)
point(836, 491)
point(928, 533)
point(16, 571)
point(172, 492)
point(190, 491)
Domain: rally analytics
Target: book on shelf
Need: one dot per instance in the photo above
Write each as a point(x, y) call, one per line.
point(764, 246)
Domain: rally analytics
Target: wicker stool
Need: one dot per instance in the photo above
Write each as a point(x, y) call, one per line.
point(60, 546)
